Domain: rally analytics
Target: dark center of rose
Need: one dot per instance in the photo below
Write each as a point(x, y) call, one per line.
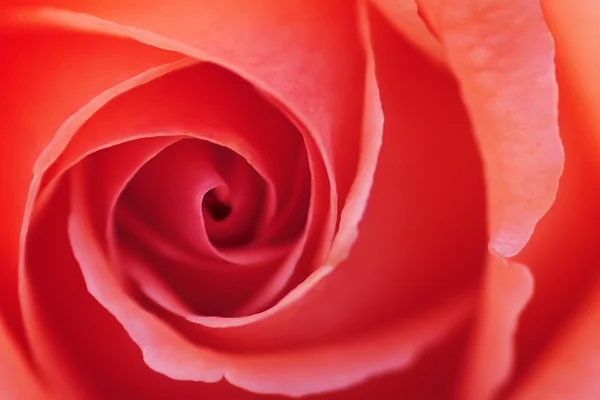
point(217, 209)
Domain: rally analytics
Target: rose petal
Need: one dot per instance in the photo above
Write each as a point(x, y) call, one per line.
point(502, 54)
point(17, 380)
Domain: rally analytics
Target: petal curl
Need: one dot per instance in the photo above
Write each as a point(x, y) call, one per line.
point(502, 54)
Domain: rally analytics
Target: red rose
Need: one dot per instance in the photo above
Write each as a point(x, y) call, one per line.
point(217, 208)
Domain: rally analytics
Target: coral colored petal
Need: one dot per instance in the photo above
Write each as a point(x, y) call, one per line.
point(570, 367)
point(502, 54)
point(404, 15)
point(508, 287)
point(17, 380)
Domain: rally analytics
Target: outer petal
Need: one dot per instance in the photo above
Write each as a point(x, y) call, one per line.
point(502, 55)
point(17, 381)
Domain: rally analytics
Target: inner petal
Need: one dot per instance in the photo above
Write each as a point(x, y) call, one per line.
point(196, 195)
point(175, 216)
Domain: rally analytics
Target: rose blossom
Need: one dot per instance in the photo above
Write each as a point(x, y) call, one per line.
point(330, 199)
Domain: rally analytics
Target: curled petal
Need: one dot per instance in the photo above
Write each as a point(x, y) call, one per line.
point(503, 56)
